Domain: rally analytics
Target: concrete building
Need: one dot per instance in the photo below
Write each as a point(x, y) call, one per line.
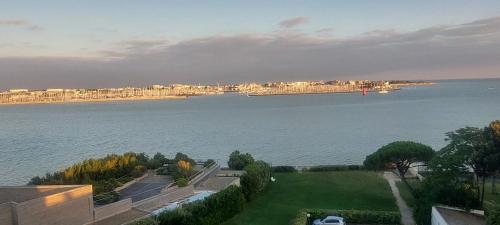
point(445, 215)
point(46, 205)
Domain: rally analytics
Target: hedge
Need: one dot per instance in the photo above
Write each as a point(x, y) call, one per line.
point(335, 168)
point(284, 169)
point(256, 178)
point(214, 210)
point(492, 214)
point(350, 216)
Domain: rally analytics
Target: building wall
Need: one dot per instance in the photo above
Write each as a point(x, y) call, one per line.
point(6, 213)
point(74, 207)
point(436, 218)
point(25, 193)
point(112, 209)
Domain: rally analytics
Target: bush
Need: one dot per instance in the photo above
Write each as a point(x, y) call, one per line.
point(214, 210)
point(284, 169)
point(123, 180)
point(255, 179)
point(145, 221)
point(178, 216)
point(442, 190)
point(335, 168)
point(138, 171)
point(106, 198)
point(106, 185)
point(238, 161)
point(350, 216)
point(182, 182)
point(493, 215)
point(162, 171)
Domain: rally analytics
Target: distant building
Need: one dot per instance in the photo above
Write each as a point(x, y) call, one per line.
point(445, 215)
point(18, 90)
point(55, 90)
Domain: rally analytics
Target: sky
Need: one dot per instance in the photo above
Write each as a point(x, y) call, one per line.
point(112, 43)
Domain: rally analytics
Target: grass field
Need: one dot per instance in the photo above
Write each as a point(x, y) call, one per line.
point(405, 193)
point(330, 190)
point(488, 195)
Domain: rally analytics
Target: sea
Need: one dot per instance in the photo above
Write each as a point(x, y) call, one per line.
point(301, 130)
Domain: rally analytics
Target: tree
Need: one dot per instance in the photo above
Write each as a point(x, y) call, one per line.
point(401, 153)
point(238, 161)
point(447, 183)
point(493, 133)
point(474, 147)
point(256, 178)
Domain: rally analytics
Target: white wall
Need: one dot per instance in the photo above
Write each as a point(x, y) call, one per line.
point(436, 218)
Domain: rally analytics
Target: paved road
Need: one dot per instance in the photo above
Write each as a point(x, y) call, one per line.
point(147, 187)
point(406, 212)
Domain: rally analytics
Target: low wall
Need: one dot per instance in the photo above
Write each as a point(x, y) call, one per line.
point(204, 174)
point(158, 201)
point(7, 213)
point(112, 209)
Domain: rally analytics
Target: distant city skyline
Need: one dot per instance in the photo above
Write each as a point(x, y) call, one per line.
point(73, 44)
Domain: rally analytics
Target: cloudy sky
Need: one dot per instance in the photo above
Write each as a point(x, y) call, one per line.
point(94, 43)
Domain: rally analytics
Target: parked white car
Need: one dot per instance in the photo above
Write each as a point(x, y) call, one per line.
point(329, 220)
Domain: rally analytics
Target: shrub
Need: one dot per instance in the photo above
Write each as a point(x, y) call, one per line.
point(255, 179)
point(162, 171)
point(350, 216)
point(106, 198)
point(92, 170)
point(138, 171)
point(153, 164)
point(284, 169)
point(442, 190)
point(124, 179)
point(214, 210)
point(218, 207)
point(182, 182)
point(238, 161)
point(335, 168)
point(145, 221)
point(178, 216)
point(493, 215)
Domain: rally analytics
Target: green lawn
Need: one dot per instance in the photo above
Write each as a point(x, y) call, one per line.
point(405, 193)
point(330, 190)
point(488, 195)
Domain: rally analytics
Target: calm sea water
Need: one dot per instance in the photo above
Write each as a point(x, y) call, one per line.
point(291, 130)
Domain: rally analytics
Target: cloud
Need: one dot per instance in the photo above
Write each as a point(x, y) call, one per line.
point(453, 51)
point(293, 22)
point(19, 23)
point(325, 30)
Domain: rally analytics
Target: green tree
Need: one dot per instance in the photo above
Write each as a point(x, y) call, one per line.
point(401, 153)
point(256, 178)
point(448, 183)
point(475, 148)
point(238, 161)
point(493, 133)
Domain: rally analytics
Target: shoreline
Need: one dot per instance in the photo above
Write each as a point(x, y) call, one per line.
point(318, 93)
point(181, 97)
